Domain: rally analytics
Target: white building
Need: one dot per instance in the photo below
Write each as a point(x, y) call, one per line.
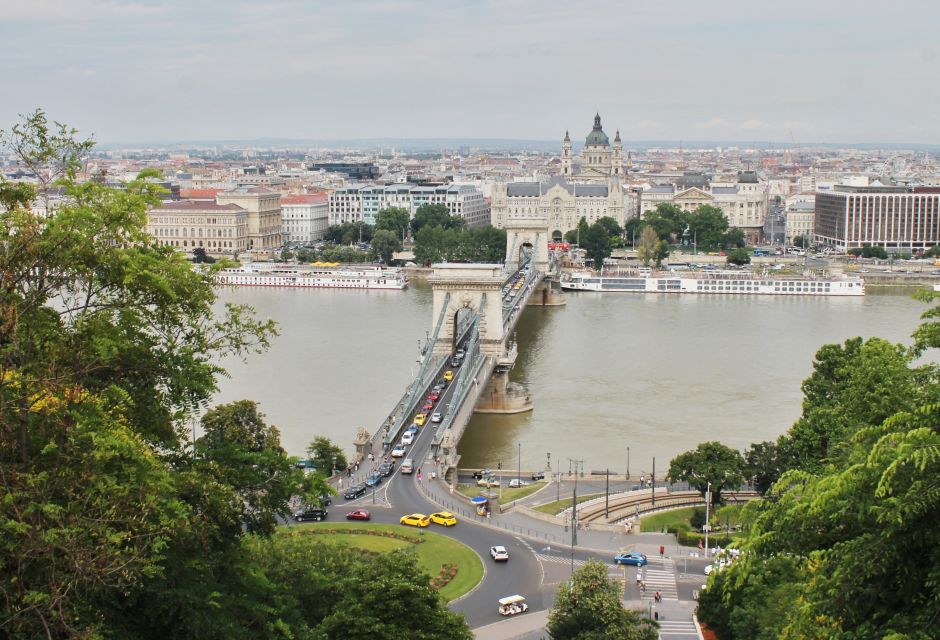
point(363, 202)
point(305, 217)
point(800, 220)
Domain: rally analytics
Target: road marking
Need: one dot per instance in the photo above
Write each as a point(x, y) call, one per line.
point(675, 628)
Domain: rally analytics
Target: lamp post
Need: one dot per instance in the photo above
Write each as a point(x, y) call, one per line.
point(628, 464)
point(333, 467)
point(519, 464)
point(708, 501)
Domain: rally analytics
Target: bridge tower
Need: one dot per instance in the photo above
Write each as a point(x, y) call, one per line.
point(473, 288)
point(527, 233)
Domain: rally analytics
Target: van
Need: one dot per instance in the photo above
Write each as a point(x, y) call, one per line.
point(408, 466)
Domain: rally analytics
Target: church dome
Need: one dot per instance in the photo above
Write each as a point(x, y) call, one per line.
point(597, 137)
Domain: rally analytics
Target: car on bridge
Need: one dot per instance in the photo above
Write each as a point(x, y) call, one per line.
point(355, 491)
point(434, 396)
point(412, 428)
point(398, 451)
point(359, 514)
point(428, 406)
point(443, 518)
point(448, 375)
point(420, 419)
point(415, 520)
point(386, 468)
point(436, 416)
point(408, 437)
point(633, 558)
point(499, 553)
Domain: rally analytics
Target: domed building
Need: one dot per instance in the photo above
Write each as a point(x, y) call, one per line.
point(599, 159)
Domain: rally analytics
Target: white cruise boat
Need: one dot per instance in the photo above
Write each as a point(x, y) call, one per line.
point(717, 282)
point(266, 274)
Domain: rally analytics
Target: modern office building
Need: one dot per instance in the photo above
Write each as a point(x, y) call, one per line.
point(353, 170)
point(219, 229)
point(363, 202)
point(305, 217)
point(263, 205)
point(900, 219)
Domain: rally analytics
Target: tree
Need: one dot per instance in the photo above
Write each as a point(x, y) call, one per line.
point(286, 254)
point(634, 228)
point(596, 243)
point(667, 220)
point(649, 245)
point(932, 252)
point(326, 455)
point(709, 225)
point(108, 342)
point(574, 236)
point(733, 238)
point(709, 463)
point(610, 226)
point(430, 244)
point(799, 241)
point(200, 257)
point(394, 219)
point(435, 215)
point(739, 257)
point(762, 466)
point(385, 243)
point(588, 607)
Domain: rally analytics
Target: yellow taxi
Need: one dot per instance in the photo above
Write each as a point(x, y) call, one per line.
point(488, 482)
point(420, 419)
point(443, 518)
point(448, 375)
point(415, 520)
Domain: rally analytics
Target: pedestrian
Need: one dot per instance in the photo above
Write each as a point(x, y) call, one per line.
point(357, 467)
point(419, 472)
point(370, 457)
point(662, 551)
point(419, 476)
point(639, 579)
point(340, 483)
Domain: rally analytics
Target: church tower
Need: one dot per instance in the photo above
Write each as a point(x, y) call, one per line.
point(566, 156)
point(617, 159)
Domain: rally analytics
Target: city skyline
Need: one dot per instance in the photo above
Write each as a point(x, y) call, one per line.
point(163, 71)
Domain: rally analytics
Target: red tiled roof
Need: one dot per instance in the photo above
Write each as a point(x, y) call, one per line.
point(199, 205)
point(199, 194)
point(310, 198)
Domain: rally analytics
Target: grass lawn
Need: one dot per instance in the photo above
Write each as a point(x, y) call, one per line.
point(435, 551)
point(508, 494)
point(557, 506)
point(666, 519)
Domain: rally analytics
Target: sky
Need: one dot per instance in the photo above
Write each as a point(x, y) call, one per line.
point(168, 70)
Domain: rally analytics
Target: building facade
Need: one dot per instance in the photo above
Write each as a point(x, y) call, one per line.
point(563, 203)
point(744, 202)
point(355, 203)
point(265, 227)
point(305, 217)
point(900, 219)
point(800, 221)
point(219, 229)
point(599, 160)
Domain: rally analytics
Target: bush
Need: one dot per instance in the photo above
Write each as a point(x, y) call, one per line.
point(698, 519)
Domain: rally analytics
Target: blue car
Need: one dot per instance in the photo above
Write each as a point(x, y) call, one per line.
point(374, 479)
point(634, 558)
point(412, 429)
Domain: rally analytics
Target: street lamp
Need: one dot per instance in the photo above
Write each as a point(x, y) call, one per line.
point(333, 467)
point(628, 464)
point(519, 464)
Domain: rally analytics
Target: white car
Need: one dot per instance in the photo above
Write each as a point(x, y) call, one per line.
point(436, 417)
point(408, 438)
point(499, 553)
point(516, 482)
point(398, 451)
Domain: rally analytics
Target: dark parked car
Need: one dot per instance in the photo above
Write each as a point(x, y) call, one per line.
point(313, 513)
point(386, 468)
point(538, 475)
point(482, 473)
point(355, 491)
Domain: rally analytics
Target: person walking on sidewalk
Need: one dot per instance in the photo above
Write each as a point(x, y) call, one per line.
point(662, 551)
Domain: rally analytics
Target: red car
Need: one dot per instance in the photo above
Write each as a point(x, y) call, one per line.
point(428, 406)
point(358, 514)
point(434, 397)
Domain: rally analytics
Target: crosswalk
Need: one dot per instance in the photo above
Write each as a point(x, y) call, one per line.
point(677, 629)
point(659, 575)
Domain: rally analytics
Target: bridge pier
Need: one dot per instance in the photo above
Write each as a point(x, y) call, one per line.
point(546, 296)
point(503, 396)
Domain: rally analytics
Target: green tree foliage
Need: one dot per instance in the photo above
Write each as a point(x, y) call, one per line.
point(610, 226)
point(574, 236)
point(384, 244)
point(762, 466)
point(800, 241)
point(733, 238)
point(710, 462)
point(394, 219)
point(709, 225)
point(588, 607)
point(200, 256)
point(596, 244)
point(633, 229)
point(739, 256)
point(349, 232)
point(869, 251)
point(435, 215)
point(107, 343)
point(475, 244)
point(651, 248)
point(667, 220)
point(325, 453)
point(932, 252)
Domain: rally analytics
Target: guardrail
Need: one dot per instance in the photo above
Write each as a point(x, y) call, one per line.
point(473, 360)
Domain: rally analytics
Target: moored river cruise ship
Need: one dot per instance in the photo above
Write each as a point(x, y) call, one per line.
point(334, 277)
point(718, 282)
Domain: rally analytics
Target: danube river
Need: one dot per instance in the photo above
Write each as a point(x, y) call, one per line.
point(655, 373)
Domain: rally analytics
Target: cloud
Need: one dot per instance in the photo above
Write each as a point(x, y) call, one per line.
point(74, 10)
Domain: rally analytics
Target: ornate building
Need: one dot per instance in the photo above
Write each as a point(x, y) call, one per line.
point(599, 160)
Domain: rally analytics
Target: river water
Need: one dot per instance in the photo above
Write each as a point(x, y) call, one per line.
point(653, 373)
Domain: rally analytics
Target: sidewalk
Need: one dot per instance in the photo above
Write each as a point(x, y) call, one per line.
point(519, 627)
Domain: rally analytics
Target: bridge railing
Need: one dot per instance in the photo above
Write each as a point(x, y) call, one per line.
point(473, 360)
point(395, 420)
point(533, 276)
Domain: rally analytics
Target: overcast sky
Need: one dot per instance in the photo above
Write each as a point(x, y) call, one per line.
point(829, 71)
